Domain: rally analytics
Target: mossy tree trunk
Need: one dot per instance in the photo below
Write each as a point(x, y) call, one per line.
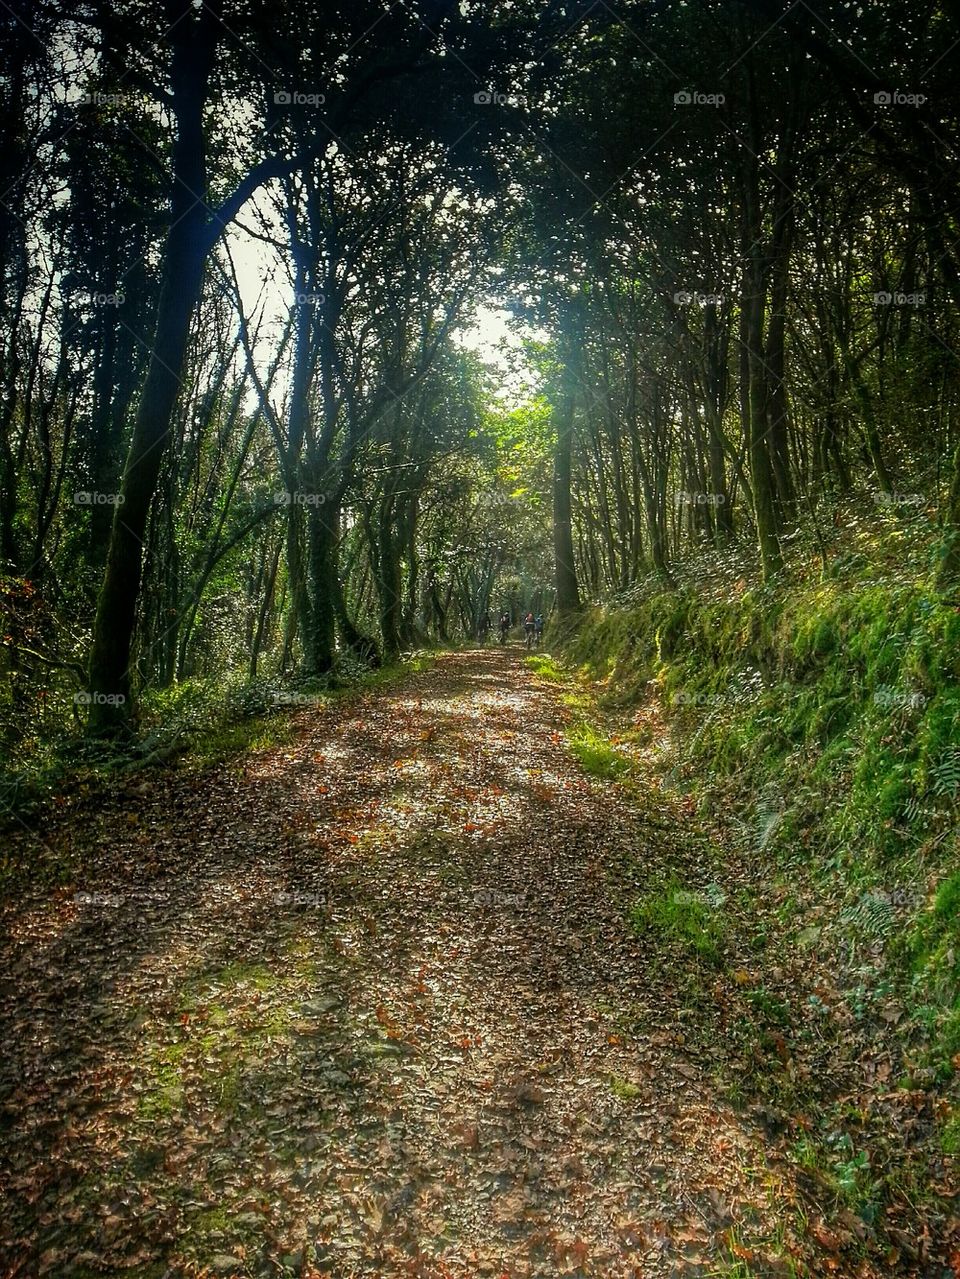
point(568, 591)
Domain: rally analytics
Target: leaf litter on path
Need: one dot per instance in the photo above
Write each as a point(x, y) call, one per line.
point(370, 1005)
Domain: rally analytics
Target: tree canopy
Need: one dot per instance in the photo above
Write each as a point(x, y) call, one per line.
point(248, 423)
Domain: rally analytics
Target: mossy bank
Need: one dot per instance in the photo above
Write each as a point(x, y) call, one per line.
point(813, 727)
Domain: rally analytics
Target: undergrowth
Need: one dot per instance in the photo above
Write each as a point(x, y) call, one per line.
point(814, 726)
point(682, 918)
point(818, 722)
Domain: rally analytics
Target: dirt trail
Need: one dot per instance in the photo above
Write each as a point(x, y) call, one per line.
point(369, 1005)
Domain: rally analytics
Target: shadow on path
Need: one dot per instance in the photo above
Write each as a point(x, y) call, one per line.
point(368, 1005)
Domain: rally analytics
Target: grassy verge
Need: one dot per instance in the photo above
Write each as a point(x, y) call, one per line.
point(592, 747)
point(819, 730)
point(812, 731)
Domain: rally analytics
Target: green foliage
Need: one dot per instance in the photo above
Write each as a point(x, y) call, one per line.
point(674, 914)
point(846, 1170)
point(950, 1135)
point(596, 753)
point(624, 1089)
point(770, 1008)
point(545, 667)
point(852, 686)
point(827, 715)
point(933, 946)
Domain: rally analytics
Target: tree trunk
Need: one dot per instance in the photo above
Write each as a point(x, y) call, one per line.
point(387, 575)
point(870, 426)
point(715, 376)
point(266, 604)
point(758, 451)
point(319, 644)
point(948, 574)
point(753, 381)
point(568, 593)
point(185, 253)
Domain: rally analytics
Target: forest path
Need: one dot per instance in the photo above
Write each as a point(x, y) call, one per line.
point(369, 1004)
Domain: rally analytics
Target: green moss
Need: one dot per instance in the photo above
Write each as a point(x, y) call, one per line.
point(861, 676)
point(545, 667)
point(950, 1135)
point(164, 1093)
point(624, 1089)
point(838, 702)
point(596, 754)
point(211, 1221)
point(682, 917)
point(933, 945)
point(213, 991)
point(238, 739)
point(935, 941)
point(230, 1081)
point(236, 1013)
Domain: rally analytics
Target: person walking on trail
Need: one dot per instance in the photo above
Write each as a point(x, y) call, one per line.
point(538, 629)
point(528, 626)
point(504, 626)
